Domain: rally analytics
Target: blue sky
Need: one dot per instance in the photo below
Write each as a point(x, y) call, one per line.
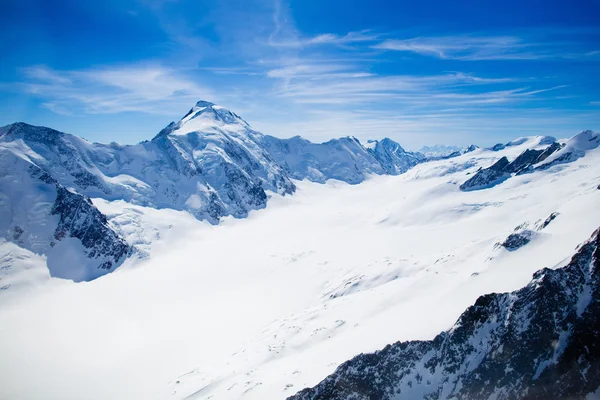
point(421, 72)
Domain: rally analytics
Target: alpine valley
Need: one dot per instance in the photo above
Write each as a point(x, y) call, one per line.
point(216, 262)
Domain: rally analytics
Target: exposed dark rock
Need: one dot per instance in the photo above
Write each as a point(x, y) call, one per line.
point(539, 342)
point(522, 236)
point(487, 177)
point(503, 169)
point(541, 225)
point(101, 247)
point(554, 147)
point(470, 148)
point(575, 148)
point(80, 219)
point(526, 158)
point(17, 232)
point(517, 240)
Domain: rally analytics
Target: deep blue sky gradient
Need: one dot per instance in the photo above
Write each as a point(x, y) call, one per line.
point(419, 72)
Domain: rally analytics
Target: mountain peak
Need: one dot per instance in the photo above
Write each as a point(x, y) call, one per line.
point(206, 117)
point(204, 103)
point(30, 132)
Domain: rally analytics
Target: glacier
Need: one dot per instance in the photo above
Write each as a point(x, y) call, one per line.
point(259, 296)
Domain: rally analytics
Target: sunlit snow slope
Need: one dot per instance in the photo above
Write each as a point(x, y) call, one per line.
point(259, 308)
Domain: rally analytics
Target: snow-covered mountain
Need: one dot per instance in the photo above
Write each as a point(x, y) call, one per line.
point(264, 306)
point(392, 157)
point(544, 153)
point(438, 150)
point(344, 159)
point(208, 163)
point(211, 163)
point(441, 152)
point(39, 214)
point(539, 342)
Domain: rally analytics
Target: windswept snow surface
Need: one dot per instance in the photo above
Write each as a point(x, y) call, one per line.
point(262, 307)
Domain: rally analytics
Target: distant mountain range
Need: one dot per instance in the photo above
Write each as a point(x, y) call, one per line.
point(438, 150)
point(210, 163)
point(455, 208)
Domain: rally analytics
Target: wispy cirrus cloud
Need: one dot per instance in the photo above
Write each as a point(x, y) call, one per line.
point(316, 71)
point(325, 39)
point(474, 47)
point(322, 83)
point(411, 91)
point(106, 90)
point(252, 57)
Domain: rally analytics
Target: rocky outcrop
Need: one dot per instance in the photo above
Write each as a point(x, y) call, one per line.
point(503, 169)
point(522, 235)
point(42, 216)
point(539, 342)
point(488, 177)
point(573, 149)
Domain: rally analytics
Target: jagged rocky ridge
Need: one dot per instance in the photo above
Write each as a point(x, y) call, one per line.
point(539, 342)
point(504, 169)
point(210, 163)
point(41, 215)
point(532, 160)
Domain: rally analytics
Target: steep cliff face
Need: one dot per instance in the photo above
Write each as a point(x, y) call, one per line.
point(41, 215)
point(538, 342)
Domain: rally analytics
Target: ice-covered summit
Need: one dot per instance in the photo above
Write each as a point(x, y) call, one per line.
point(210, 163)
point(208, 117)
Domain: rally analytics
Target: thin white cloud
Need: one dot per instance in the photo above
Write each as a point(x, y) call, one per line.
point(430, 90)
point(315, 71)
point(43, 73)
point(325, 85)
point(325, 39)
point(139, 88)
point(478, 47)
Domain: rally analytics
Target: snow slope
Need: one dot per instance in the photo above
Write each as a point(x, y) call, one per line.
point(539, 342)
point(259, 308)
